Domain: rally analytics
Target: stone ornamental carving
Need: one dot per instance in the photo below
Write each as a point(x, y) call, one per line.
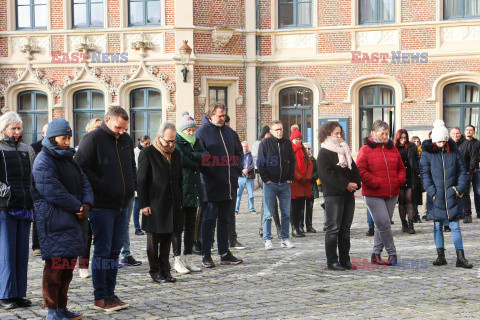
point(463, 33)
point(295, 41)
point(372, 38)
point(86, 73)
point(144, 72)
point(145, 41)
point(221, 36)
point(29, 45)
point(87, 43)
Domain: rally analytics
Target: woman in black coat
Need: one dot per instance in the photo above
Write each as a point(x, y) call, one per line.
point(340, 178)
point(407, 198)
point(159, 189)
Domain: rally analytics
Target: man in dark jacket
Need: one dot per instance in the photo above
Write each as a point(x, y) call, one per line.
point(470, 136)
point(309, 202)
point(468, 149)
point(107, 158)
point(219, 174)
point(33, 150)
point(276, 165)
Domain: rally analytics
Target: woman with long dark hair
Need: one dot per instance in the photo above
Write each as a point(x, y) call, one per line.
point(407, 197)
point(340, 179)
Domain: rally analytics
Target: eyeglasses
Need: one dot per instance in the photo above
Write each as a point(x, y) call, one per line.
point(168, 141)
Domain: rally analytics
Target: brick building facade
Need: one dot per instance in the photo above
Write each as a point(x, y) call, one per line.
point(303, 61)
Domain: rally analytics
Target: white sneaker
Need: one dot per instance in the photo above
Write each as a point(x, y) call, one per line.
point(83, 273)
point(268, 245)
point(190, 265)
point(179, 267)
point(286, 243)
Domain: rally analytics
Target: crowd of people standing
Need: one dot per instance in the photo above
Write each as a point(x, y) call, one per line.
point(187, 178)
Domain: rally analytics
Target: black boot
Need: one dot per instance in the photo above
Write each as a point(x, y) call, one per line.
point(197, 247)
point(468, 218)
point(461, 261)
point(441, 258)
point(416, 218)
point(370, 232)
point(296, 233)
point(404, 226)
point(411, 230)
point(447, 229)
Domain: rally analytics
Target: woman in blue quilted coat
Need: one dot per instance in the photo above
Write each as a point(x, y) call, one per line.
point(444, 178)
point(62, 198)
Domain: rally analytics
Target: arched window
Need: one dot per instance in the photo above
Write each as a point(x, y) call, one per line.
point(87, 104)
point(296, 108)
point(145, 112)
point(33, 108)
point(461, 105)
point(377, 102)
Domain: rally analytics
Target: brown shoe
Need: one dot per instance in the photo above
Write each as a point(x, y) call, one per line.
point(116, 300)
point(106, 305)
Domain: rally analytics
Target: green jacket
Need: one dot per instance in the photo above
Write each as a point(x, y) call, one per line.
point(191, 165)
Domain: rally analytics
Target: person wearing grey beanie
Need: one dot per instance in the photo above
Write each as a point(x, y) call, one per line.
point(186, 122)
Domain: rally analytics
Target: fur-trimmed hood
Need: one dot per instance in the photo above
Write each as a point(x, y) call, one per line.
point(427, 146)
point(369, 142)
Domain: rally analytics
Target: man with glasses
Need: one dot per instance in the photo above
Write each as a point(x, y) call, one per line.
point(276, 165)
point(106, 156)
point(219, 174)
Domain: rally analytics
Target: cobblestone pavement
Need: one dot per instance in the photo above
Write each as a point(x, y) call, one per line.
point(292, 283)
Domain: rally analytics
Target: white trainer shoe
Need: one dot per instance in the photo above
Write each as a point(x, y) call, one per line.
point(83, 273)
point(268, 245)
point(190, 265)
point(286, 243)
point(179, 267)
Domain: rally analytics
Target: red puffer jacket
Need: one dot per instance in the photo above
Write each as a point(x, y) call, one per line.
point(381, 168)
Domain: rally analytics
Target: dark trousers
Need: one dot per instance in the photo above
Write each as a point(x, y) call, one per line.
point(216, 212)
point(35, 243)
point(197, 235)
point(308, 216)
point(232, 232)
point(108, 227)
point(56, 280)
point(84, 260)
point(158, 251)
point(339, 211)
point(466, 201)
point(297, 211)
point(188, 227)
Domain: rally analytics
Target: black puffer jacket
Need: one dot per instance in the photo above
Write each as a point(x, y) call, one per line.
point(468, 149)
point(14, 175)
point(276, 160)
point(109, 164)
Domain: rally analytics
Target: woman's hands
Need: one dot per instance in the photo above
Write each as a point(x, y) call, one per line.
point(82, 214)
point(147, 211)
point(352, 186)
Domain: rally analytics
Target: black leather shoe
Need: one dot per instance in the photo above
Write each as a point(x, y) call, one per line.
point(297, 233)
point(168, 277)
point(468, 218)
point(301, 230)
point(336, 266)
point(197, 247)
point(370, 232)
point(348, 265)
point(8, 304)
point(159, 279)
point(139, 232)
point(311, 230)
point(22, 302)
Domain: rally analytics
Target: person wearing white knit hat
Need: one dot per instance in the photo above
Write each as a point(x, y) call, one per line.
point(444, 178)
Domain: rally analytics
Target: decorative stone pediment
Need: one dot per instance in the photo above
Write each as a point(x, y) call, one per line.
point(89, 74)
point(221, 36)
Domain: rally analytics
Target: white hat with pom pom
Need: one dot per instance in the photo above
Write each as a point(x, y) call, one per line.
point(439, 131)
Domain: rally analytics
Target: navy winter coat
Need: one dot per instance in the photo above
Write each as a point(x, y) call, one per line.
point(440, 172)
point(223, 165)
point(59, 188)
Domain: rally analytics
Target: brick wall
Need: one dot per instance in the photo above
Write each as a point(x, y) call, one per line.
point(418, 38)
point(334, 42)
point(418, 10)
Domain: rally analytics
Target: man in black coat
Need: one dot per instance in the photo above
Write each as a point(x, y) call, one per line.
point(468, 149)
point(33, 150)
point(276, 165)
point(470, 136)
point(219, 173)
point(107, 158)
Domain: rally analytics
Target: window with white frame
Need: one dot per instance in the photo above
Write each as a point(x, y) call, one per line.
point(376, 11)
point(31, 14)
point(87, 13)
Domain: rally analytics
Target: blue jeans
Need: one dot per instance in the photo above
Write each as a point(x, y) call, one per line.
point(108, 228)
point(14, 243)
point(271, 192)
point(476, 190)
point(126, 239)
point(371, 224)
point(216, 212)
point(456, 234)
point(136, 214)
point(241, 186)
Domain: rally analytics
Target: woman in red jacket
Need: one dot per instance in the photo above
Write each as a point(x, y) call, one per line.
point(300, 187)
point(383, 173)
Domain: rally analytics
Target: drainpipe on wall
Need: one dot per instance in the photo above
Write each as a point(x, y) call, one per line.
point(257, 71)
